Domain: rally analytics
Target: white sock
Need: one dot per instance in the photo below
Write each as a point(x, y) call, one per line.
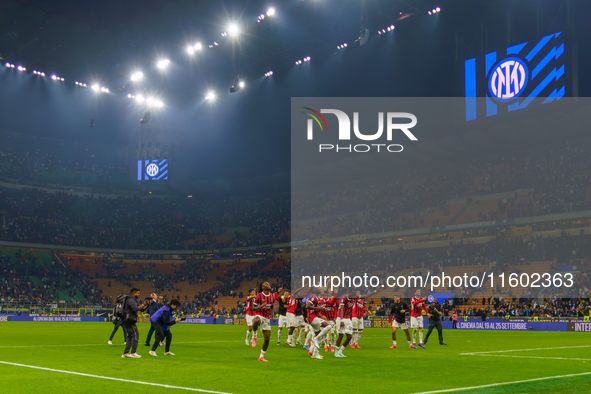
point(414, 336)
point(279, 335)
point(247, 334)
point(300, 334)
point(359, 336)
point(254, 336)
point(324, 331)
point(308, 337)
point(290, 338)
point(394, 342)
point(420, 336)
point(262, 354)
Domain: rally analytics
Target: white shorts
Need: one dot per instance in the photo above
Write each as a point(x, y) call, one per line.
point(416, 322)
point(357, 323)
point(291, 320)
point(282, 321)
point(317, 323)
point(347, 329)
point(265, 323)
point(300, 321)
point(402, 326)
point(249, 319)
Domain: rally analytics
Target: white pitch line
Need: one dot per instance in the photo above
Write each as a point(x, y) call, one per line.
point(543, 358)
point(110, 378)
point(524, 350)
point(505, 383)
point(98, 344)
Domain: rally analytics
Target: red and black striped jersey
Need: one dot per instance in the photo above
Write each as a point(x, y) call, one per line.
point(358, 308)
point(268, 299)
point(332, 308)
point(347, 305)
point(249, 305)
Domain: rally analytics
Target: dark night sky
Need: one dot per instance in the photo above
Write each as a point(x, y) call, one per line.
point(246, 134)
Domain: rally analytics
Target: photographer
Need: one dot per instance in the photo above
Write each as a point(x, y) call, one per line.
point(132, 306)
point(162, 320)
point(434, 314)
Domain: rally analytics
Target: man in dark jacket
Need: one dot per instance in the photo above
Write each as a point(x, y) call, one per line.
point(117, 322)
point(162, 320)
point(435, 314)
point(154, 306)
point(131, 308)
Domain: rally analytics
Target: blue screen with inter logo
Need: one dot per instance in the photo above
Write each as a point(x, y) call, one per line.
point(510, 80)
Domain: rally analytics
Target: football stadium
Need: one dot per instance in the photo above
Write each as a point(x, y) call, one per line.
point(245, 196)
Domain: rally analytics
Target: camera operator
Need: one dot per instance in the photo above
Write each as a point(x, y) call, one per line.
point(162, 320)
point(434, 314)
point(132, 306)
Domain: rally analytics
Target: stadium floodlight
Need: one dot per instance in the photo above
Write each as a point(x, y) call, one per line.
point(224, 34)
point(271, 11)
point(211, 46)
point(438, 9)
point(233, 29)
point(137, 76)
point(268, 73)
point(163, 63)
point(241, 84)
point(210, 95)
point(190, 50)
point(40, 73)
point(430, 13)
point(95, 87)
point(9, 65)
point(215, 43)
point(197, 46)
point(21, 68)
point(140, 98)
point(104, 90)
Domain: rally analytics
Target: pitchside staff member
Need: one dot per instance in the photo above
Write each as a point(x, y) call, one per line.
point(162, 320)
point(435, 314)
point(117, 322)
point(154, 306)
point(132, 306)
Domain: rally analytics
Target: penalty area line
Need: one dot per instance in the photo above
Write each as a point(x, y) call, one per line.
point(484, 386)
point(110, 378)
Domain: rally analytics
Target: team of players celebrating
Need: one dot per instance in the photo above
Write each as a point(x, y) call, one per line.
point(325, 321)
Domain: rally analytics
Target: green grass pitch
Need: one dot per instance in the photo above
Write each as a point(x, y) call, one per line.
point(216, 358)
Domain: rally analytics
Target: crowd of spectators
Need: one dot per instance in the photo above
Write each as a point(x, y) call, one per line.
point(24, 278)
point(173, 223)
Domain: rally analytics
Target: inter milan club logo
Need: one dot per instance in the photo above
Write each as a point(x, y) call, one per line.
point(508, 79)
point(152, 170)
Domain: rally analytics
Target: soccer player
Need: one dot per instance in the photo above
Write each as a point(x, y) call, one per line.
point(357, 320)
point(264, 312)
point(282, 300)
point(316, 307)
point(416, 317)
point(293, 319)
point(398, 320)
point(435, 314)
point(344, 326)
point(252, 293)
